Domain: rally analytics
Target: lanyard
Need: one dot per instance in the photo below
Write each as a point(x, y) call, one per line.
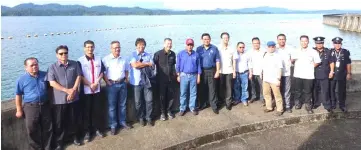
point(338, 54)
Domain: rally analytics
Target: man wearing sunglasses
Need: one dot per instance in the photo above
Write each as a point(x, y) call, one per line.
point(65, 76)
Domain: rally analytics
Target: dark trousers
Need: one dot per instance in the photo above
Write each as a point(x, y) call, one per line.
point(303, 92)
point(338, 93)
point(143, 102)
point(321, 93)
point(257, 87)
point(207, 91)
point(90, 112)
point(66, 120)
point(166, 96)
point(226, 88)
point(38, 125)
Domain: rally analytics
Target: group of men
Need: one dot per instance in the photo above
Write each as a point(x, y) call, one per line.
point(319, 71)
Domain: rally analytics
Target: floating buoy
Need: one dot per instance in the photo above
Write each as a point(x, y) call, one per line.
point(64, 32)
point(2, 38)
point(110, 29)
point(45, 35)
point(58, 33)
point(51, 33)
point(88, 31)
point(74, 31)
point(10, 37)
point(69, 32)
point(28, 36)
point(35, 35)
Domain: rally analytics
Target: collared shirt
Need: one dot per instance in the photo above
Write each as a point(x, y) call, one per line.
point(91, 68)
point(304, 65)
point(285, 54)
point(209, 56)
point(226, 55)
point(323, 70)
point(65, 75)
point(165, 64)
point(135, 74)
point(32, 89)
point(115, 67)
point(271, 67)
point(342, 59)
point(243, 61)
point(256, 58)
point(188, 63)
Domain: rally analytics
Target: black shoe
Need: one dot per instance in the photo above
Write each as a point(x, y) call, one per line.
point(309, 111)
point(142, 122)
point(59, 147)
point(235, 102)
point(333, 107)
point(194, 112)
point(343, 110)
point(76, 142)
point(329, 110)
point(150, 123)
point(315, 107)
point(229, 107)
point(162, 117)
point(99, 134)
point(126, 126)
point(298, 107)
point(216, 111)
point(87, 137)
point(113, 131)
point(181, 113)
point(170, 116)
point(289, 110)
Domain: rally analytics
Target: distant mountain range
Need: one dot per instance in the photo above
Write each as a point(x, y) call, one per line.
point(30, 9)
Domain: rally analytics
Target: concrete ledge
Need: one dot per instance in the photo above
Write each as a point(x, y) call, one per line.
point(220, 135)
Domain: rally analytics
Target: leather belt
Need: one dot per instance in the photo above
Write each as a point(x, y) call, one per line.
point(117, 81)
point(243, 72)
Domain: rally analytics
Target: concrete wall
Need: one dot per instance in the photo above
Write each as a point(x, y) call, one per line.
point(344, 22)
point(333, 20)
point(13, 132)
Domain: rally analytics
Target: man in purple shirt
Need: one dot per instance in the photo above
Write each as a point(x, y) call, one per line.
point(188, 70)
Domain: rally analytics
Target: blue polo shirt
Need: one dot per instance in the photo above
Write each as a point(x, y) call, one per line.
point(188, 63)
point(33, 89)
point(208, 57)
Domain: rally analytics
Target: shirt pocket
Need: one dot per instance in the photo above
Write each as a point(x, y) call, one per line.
point(171, 61)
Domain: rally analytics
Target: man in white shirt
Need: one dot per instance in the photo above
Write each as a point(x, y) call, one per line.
point(226, 54)
point(116, 78)
point(257, 55)
point(92, 69)
point(305, 59)
point(271, 74)
point(285, 53)
point(243, 71)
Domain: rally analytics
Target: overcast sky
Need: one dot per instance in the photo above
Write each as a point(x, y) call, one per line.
point(205, 4)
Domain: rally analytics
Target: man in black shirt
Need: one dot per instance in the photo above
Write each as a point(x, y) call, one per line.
point(165, 60)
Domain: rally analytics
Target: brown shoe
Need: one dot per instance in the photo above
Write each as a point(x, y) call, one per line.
point(267, 110)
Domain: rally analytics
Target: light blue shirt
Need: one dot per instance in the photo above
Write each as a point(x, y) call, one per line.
point(135, 74)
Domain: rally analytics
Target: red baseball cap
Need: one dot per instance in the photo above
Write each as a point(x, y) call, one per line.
point(189, 41)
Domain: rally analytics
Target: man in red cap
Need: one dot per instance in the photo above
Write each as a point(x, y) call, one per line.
point(188, 70)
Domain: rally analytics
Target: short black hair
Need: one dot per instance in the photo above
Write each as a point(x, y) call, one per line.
point(206, 34)
point(281, 35)
point(240, 43)
point(30, 58)
point(255, 38)
point(113, 42)
point(304, 36)
point(61, 47)
point(140, 40)
point(224, 33)
point(167, 39)
point(88, 42)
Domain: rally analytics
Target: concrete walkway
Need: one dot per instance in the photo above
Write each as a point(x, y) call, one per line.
point(171, 132)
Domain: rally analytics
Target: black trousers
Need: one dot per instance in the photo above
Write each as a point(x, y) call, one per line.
point(226, 88)
point(303, 92)
point(321, 93)
point(338, 93)
point(90, 113)
point(166, 96)
point(66, 120)
point(38, 125)
point(207, 91)
point(257, 88)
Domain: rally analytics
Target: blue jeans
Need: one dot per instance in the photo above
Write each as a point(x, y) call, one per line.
point(143, 102)
point(188, 80)
point(117, 98)
point(241, 87)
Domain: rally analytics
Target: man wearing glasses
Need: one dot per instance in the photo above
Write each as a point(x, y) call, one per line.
point(65, 76)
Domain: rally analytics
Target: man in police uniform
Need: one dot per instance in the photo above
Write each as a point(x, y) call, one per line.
point(342, 72)
point(323, 72)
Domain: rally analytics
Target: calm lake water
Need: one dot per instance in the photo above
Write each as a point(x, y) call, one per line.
point(153, 28)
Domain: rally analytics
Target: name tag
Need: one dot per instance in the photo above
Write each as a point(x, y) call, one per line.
point(337, 64)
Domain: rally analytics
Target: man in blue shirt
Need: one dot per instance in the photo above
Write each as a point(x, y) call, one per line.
point(32, 101)
point(141, 72)
point(189, 73)
point(209, 60)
